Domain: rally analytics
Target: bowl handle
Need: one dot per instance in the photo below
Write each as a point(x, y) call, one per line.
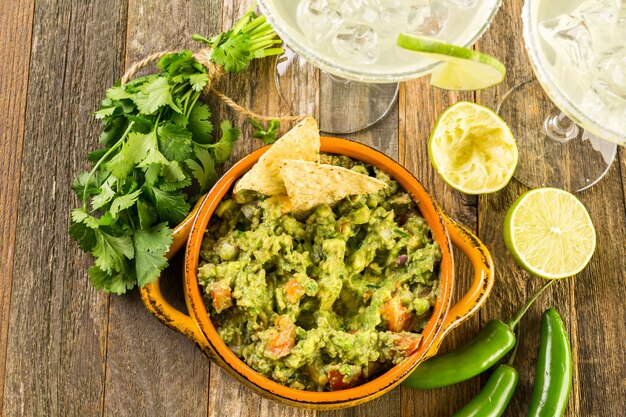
point(480, 289)
point(156, 304)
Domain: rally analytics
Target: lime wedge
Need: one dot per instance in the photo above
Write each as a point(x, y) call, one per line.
point(549, 233)
point(473, 149)
point(463, 68)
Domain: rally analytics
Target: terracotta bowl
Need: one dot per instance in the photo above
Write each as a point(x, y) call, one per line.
point(197, 326)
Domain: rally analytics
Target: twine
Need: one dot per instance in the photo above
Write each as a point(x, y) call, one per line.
point(215, 72)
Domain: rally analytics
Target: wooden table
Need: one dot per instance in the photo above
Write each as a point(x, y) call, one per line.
point(67, 350)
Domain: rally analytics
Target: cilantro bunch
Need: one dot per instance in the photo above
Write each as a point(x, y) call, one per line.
point(158, 156)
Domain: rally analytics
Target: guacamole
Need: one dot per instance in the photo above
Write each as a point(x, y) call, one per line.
point(324, 302)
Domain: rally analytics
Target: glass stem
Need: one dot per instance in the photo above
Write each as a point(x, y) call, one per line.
point(560, 128)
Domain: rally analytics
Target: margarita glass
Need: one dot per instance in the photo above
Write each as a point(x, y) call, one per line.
point(569, 119)
point(353, 42)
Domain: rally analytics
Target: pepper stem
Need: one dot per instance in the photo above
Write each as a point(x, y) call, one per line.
point(512, 357)
point(520, 313)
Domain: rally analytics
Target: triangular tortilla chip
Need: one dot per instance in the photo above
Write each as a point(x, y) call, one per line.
point(310, 184)
point(301, 142)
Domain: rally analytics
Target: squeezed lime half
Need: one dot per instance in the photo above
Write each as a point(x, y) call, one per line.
point(473, 149)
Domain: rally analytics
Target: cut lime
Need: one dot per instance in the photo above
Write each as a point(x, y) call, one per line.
point(463, 68)
point(549, 233)
point(473, 149)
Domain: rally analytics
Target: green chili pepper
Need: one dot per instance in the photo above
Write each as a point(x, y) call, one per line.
point(494, 397)
point(553, 372)
point(479, 354)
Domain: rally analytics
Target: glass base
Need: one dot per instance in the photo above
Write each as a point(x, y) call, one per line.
point(553, 151)
point(345, 106)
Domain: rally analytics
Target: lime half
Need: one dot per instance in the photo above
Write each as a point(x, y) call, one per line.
point(473, 149)
point(463, 68)
point(549, 233)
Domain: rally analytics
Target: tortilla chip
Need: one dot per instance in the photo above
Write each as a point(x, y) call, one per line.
point(310, 184)
point(301, 142)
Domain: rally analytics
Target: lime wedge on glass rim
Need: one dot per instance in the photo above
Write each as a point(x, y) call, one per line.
point(472, 149)
point(462, 69)
point(549, 233)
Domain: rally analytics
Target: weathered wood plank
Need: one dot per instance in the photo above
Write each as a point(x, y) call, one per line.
point(621, 162)
point(16, 22)
point(584, 301)
point(382, 136)
point(255, 89)
point(420, 106)
point(151, 370)
point(55, 357)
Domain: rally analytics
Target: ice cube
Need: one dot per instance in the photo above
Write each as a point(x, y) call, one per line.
point(598, 17)
point(464, 4)
point(570, 39)
point(357, 42)
point(427, 19)
point(608, 96)
point(386, 17)
point(611, 67)
point(358, 11)
point(319, 19)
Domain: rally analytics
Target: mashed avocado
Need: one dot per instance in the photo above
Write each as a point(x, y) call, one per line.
point(326, 302)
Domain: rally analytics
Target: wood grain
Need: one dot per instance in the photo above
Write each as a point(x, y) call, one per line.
point(147, 363)
point(584, 301)
point(55, 354)
point(415, 127)
point(16, 22)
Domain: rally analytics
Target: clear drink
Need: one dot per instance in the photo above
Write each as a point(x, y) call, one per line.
point(580, 51)
point(356, 38)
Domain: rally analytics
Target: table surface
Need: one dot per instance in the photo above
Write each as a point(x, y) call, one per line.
point(68, 350)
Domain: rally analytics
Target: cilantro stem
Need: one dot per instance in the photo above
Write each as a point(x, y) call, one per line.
point(102, 159)
point(249, 28)
point(193, 104)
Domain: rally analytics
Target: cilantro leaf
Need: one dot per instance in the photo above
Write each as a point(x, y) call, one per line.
point(175, 142)
point(84, 235)
point(146, 213)
point(117, 283)
point(173, 172)
point(199, 124)
point(153, 95)
point(269, 135)
point(205, 171)
point(152, 173)
point(171, 206)
point(120, 166)
point(103, 112)
point(79, 183)
point(81, 216)
point(137, 146)
point(173, 186)
point(113, 128)
point(118, 93)
point(123, 202)
point(96, 155)
point(198, 81)
point(233, 54)
point(105, 195)
point(223, 148)
point(142, 124)
point(180, 64)
point(111, 251)
point(151, 246)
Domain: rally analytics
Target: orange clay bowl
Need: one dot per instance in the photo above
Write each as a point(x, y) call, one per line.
point(196, 323)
